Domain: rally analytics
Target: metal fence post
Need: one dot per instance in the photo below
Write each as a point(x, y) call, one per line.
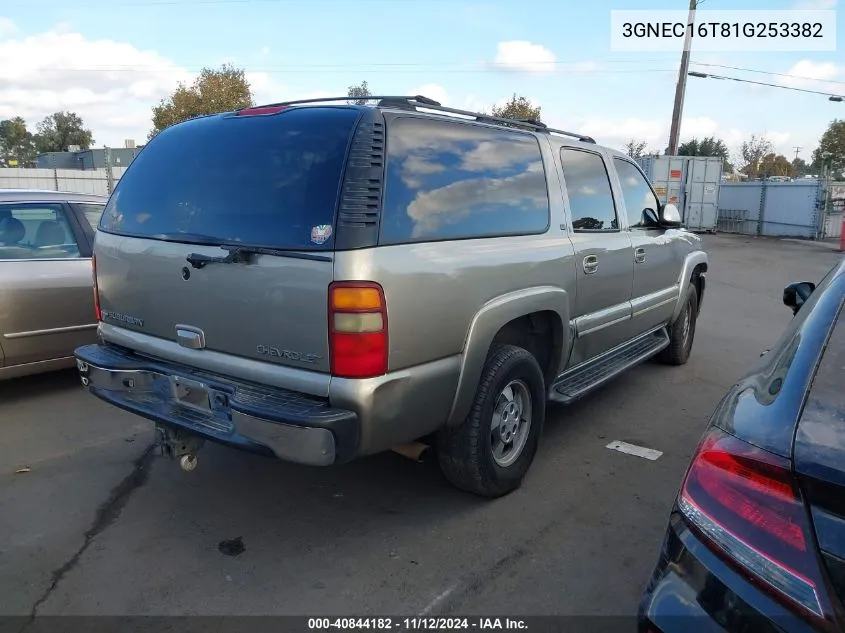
point(762, 214)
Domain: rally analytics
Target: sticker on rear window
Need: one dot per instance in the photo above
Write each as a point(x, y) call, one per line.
point(321, 233)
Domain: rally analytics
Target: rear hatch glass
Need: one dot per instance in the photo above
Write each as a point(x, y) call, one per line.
point(268, 180)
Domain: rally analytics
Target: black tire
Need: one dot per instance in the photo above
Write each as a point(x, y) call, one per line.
point(465, 450)
point(680, 345)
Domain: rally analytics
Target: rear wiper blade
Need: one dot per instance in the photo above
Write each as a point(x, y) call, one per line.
point(189, 238)
point(242, 254)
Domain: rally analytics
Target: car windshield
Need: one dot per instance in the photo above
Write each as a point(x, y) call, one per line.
point(267, 180)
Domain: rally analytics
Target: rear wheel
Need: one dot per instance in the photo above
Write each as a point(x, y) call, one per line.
point(682, 332)
point(490, 452)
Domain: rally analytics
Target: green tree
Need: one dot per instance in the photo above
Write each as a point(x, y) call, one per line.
point(775, 165)
point(708, 146)
point(800, 167)
point(358, 93)
point(17, 144)
point(214, 90)
point(635, 149)
point(57, 132)
point(518, 108)
point(833, 143)
point(752, 152)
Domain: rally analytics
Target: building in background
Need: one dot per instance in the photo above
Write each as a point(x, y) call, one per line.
point(94, 158)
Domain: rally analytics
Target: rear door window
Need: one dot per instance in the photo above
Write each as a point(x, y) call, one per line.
point(449, 180)
point(36, 231)
point(588, 188)
point(266, 180)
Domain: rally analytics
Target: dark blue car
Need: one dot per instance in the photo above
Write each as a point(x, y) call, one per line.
point(756, 538)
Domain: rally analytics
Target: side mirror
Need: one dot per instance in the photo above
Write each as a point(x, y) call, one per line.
point(670, 216)
point(650, 217)
point(796, 294)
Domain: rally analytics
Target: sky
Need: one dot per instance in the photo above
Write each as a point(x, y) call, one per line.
point(111, 61)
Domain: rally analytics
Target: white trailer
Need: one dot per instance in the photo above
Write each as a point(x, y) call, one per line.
point(689, 182)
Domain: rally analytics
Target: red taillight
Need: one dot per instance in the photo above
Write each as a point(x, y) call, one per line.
point(260, 110)
point(357, 329)
point(745, 502)
point(97, 310)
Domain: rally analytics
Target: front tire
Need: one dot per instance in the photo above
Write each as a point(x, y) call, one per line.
point(682, 332)
point(489, 453)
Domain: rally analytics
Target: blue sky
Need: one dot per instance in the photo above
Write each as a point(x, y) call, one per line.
point(112, 61)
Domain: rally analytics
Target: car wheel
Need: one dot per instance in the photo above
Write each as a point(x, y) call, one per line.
point(682, 332)
point(490, 452)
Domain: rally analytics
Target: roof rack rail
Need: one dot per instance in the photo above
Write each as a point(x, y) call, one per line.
point(419, 101)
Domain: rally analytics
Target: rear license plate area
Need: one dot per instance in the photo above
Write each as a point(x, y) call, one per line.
point(191, 393)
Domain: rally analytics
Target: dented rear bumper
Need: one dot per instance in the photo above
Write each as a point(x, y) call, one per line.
point(291, 426)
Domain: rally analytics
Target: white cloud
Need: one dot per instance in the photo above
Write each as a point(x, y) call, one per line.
point(523, 56)
point(7, 26)
point(824, 74)
point(112, 85)
point(432, 91)
point(814, 4)
point(617, 132)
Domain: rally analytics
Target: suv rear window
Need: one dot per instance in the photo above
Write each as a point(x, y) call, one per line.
point(266, 180)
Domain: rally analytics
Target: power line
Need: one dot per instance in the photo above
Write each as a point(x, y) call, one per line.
point(160, 3)
point(358, 69)
point(761, 83)
point(768, 72)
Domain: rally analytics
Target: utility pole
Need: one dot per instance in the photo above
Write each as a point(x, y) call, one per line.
point(797, 149)
point(681, 88)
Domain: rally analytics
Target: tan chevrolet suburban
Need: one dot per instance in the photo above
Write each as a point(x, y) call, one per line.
point(319, 281)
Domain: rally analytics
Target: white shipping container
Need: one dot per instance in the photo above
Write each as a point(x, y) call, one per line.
point(689, 182)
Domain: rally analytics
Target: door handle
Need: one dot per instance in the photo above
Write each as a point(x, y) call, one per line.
point(590, 264)
point(639, 255)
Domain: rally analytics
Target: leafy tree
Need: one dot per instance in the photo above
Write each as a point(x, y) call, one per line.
point(752, 152)
point(17, 144)
point(775, 165)
point(833, 143)
point(708, 146)
point(214, 90)
point(358, 93)
point(635, 149)
point(518, 108)
point(60, 130)
point(800, 167)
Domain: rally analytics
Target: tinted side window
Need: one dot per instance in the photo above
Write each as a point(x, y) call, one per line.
point(588, 186)
point(636, 192)
point(36, 231)
point(450, 180)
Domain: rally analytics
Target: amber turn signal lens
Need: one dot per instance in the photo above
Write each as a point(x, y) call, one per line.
point(356, 299)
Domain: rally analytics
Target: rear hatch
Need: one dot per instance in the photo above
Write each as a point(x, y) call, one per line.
point(265, 182)
point(819, 456)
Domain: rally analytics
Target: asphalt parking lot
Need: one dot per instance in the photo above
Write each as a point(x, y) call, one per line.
point(100, 524)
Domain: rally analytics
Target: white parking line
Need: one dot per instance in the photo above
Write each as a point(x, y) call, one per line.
point(438, 600)
point(633, 449)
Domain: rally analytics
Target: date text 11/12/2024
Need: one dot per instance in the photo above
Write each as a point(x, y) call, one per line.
point(418, 623)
